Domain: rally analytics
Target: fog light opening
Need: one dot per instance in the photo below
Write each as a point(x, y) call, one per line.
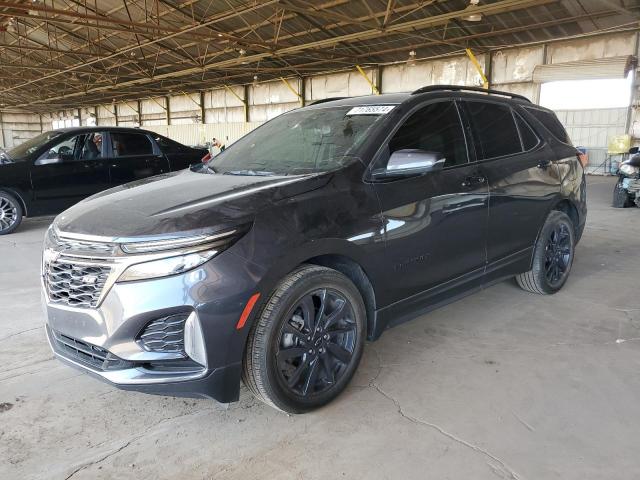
point(194, 340)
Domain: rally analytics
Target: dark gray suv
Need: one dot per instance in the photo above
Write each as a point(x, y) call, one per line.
point(275, 261)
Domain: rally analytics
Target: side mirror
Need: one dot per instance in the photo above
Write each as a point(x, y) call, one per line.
point(410, 163)
point(634, 150)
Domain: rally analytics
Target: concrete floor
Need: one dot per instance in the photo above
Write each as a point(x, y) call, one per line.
point(502, 384)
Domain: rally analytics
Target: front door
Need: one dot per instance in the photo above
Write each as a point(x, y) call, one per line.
point(436, 224)
point(132, 156)
point(73, 169)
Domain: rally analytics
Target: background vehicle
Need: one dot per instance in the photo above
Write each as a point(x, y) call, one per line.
point(56, 169)
point(626, 193)
point(323, 227)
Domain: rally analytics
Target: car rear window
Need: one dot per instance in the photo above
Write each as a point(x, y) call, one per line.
point(528, 136)
point(494, 130)
point(127, 144)
point(551, 123)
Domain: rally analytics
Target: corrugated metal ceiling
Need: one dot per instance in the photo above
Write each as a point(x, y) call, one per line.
point(62, 53)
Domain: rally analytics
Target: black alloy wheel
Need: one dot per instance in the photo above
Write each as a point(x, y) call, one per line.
point(557, 254)
point(307, 340)
point(552, 256)
point(316, 343)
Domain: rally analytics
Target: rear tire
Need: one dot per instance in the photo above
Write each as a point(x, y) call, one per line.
point(10, 213)
point(552, 256)
point(307, 341)
point(621, 198)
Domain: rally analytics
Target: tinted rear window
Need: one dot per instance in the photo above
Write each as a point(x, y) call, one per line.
point(551, 123)
point(528, 136)
point(125, 144)
point(494, 130)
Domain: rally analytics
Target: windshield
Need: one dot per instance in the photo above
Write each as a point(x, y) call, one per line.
point(30, 146)
point(299, 142)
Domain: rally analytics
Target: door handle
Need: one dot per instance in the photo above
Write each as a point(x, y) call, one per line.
point(473, 180)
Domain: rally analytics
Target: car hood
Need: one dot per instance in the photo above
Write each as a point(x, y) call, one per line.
point(179, 203)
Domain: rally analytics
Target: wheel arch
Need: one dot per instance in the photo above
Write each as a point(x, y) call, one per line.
point(354, 272)
point(19, 196)
point(566, 206)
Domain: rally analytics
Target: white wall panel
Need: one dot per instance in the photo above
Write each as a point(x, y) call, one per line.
point(346, 84)
point(515, 65)
point(591, 48)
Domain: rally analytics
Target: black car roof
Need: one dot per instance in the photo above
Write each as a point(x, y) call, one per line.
point(439, 91)
point(101, 128)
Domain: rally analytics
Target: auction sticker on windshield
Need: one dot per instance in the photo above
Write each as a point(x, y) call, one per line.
point(371, 110)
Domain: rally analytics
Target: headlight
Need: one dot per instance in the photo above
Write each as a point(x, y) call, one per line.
point(165, 267)
point(629, 169)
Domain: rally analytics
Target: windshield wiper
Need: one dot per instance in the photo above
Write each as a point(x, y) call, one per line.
point(256, 173)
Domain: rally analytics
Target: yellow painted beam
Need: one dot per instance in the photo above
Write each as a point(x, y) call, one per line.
point(374, 89)
point(290, 87)
point(476, 63)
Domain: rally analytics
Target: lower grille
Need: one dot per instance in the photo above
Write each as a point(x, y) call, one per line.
point(75, 285)
point(86, 353)
point(164, 335)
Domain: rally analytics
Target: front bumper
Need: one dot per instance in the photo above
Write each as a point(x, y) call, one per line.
point(216, 293)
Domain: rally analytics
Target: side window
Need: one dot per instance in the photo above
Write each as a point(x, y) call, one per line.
point(128, 144)
point(528, 136)
point(65, 151)
point(434, 128)
point(494, 130)
point(169, 146)
point(551, 123)
point(91, 147)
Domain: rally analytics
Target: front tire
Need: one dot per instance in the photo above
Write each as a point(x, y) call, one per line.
point(10, 213)
point(552, 256)
point(306, 344)
point(621, 197)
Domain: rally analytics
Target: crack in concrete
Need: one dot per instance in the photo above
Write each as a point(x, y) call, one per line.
point(529, 427)
point(20, 333)
point(501, 469)
point(92, 463)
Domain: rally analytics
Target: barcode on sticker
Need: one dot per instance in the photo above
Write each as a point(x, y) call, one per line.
point(371, 110)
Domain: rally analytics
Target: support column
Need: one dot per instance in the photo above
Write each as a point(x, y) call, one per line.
point(168, 110)
point(303, 92)
point(115, 113)
point(202, 109)
point(4, 135)
point(139, 113)
point(246, 103)
point(95, 112)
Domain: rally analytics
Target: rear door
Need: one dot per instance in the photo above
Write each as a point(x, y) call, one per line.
point(435, 224)
point(69, 171)
point(180, 156)
point(523, 180)
point(133, 156)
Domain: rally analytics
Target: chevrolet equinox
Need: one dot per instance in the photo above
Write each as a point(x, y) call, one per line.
point(274, 261)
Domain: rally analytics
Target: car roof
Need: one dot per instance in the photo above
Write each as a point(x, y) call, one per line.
point(436, 91)
point(101, 128)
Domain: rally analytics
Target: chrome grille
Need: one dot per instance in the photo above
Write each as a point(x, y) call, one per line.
point(164, 334)
point(73, 284)
point(67, 244)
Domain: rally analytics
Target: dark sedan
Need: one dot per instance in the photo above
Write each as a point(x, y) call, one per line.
point(56, 169)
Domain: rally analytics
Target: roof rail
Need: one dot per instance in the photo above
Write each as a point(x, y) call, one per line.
point(323, 100)
point(462, 88)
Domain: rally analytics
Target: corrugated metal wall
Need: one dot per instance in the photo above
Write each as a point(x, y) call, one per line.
point(225, 113)
point(594, 128)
